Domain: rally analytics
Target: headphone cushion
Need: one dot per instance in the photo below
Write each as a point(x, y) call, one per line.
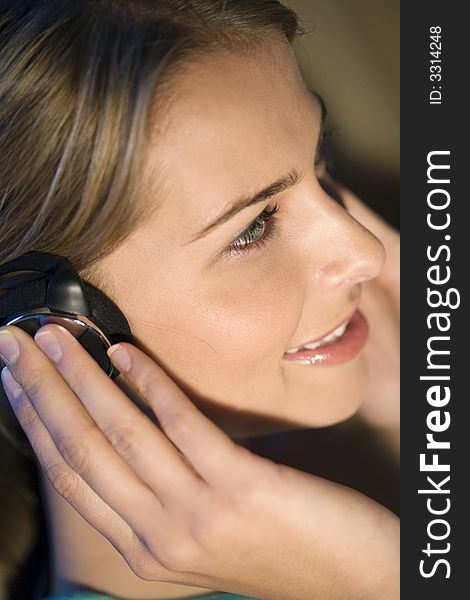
point(107, 315)
point(23, 298)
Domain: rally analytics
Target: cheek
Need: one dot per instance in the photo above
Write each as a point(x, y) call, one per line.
point(224, 331)
point(255, 320)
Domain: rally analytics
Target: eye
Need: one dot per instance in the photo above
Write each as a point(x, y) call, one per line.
point(256, 234)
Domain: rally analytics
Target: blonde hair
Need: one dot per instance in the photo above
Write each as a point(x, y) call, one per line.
point(78, 86)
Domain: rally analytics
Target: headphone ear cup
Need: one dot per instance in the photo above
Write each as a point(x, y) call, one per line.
point(103, 313)
point(109, 318)
point(23, 298)
point(107, 315)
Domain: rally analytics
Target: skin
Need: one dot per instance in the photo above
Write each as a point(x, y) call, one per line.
point(220, 328)
point(219, 325)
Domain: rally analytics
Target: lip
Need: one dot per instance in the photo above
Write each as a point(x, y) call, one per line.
point(345, 348)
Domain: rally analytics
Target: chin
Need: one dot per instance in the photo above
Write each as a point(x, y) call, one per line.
point(330, 408)
point(329, 396)
point(307, 399)
point(343, 395)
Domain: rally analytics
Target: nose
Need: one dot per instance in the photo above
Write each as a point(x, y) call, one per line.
point(351, 254)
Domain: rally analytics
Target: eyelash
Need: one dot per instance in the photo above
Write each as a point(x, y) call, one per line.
point(243, 243)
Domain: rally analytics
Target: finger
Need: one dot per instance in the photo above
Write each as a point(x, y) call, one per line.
point(132, 434)
point(71, 486)
point(212, 453)
point(80, 442)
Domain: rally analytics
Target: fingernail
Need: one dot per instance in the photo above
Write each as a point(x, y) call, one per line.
point(120, 357)
point(12, 387)
point(9, 348)
point(49, 344)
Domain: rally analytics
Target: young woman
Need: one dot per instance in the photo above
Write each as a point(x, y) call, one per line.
point(172, 152)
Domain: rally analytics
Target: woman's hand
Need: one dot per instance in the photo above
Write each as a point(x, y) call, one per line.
point(380, 303)
point(179, 500)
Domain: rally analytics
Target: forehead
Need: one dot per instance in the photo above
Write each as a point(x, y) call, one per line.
point(235, 122)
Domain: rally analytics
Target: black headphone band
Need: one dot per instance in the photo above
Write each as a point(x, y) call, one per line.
point(45, 288)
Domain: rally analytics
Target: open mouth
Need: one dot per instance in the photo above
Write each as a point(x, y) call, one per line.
point(327, 339)
point(340, 345)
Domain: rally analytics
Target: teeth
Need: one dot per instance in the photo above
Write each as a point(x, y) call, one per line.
point(338, 332)
point(293, 350)
point(313, 345)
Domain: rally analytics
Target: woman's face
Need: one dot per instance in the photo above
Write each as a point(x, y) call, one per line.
point(217, 314)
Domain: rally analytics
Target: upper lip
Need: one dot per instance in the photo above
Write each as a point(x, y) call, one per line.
point(345, 320)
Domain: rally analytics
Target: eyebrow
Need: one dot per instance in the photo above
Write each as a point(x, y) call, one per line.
point(283, 183)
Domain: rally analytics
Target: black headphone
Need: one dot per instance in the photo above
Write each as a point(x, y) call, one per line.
point(45, 288)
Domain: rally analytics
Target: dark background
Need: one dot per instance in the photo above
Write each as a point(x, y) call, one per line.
point(352, 58)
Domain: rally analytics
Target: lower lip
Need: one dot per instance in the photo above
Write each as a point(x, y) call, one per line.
point(343, 349)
